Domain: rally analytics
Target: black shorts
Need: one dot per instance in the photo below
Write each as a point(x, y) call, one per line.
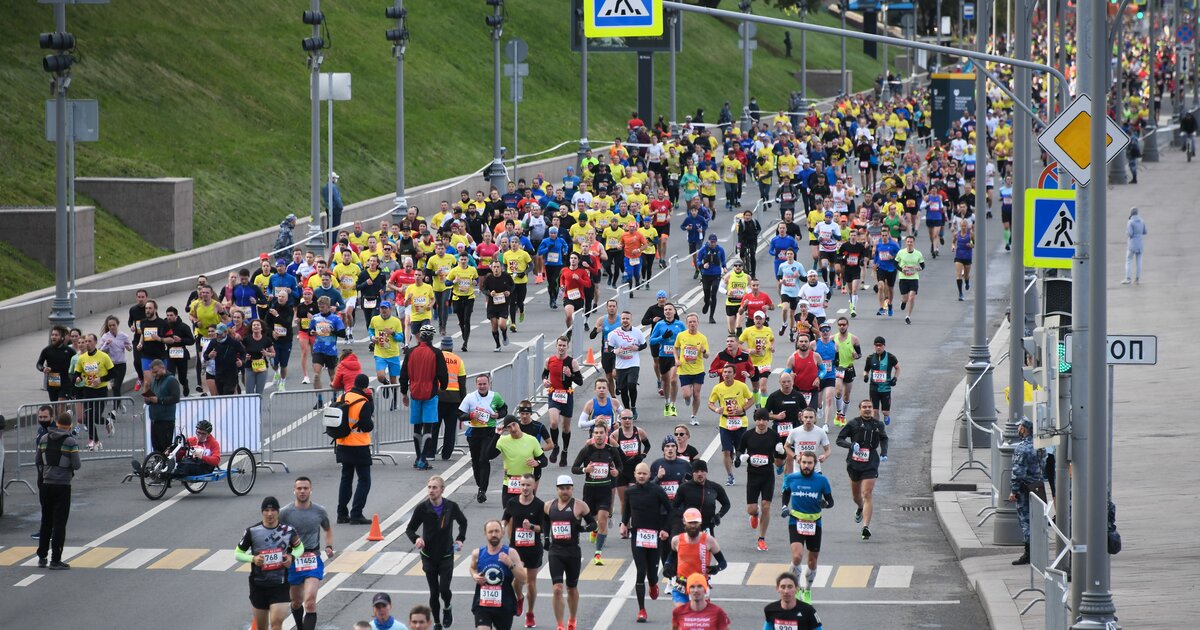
point(731, 310)
point(598, 497)
point(565, 563)
point(663, 230)
point(811, 543)
point(262, 597)
point(886, 277)
point(851, 273)
point(576, 304)
point(882, 400)
point(565, 408)
point(859, 475)
point(608, 361)
point(666, 364)
point(329, 361)
point(963, 261)
point(1006, 215)
point(847, 373)
point(486, 617)
point(531, 557)
point(760, 487)
point(497, 312)
point(627, 376)
point(828, 382)
point(758, 373)
point(830, 256)
point(908, 286)
point(934, 222)
point(415, 326)
point(789, 300)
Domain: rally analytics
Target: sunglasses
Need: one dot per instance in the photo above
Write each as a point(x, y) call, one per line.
point(681, 433)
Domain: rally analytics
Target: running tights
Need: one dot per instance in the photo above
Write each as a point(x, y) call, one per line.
point(437, 575)
point(646, 562)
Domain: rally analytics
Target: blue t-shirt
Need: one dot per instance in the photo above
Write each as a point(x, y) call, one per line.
point(885, 255)
point(827, 350)
point(323, 329)
point(663, 335)
point(806, 492)
point(791, 275)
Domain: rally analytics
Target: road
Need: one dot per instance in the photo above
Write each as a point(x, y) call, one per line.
point(134, 560)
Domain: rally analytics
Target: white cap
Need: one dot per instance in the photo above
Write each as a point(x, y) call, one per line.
point(565, 480)
point(333, 175)
point(758, 314)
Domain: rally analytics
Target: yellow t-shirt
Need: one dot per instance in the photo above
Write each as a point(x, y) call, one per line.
point(730, 399)
point(736, 286)
point(708, 183)
point(787, 164)
point(578, 233)
point(758, 341)
point(346, 278)
point(612, 237)
point(93, 368)
point(651, 235)
point(637, 198)
point(462, 282)
point(730, 166)
point(386, 344)
point(689, 352)
point(601, 219)
point(439, 266)
point(518, 263)
point(360, 240)
point(420, 300)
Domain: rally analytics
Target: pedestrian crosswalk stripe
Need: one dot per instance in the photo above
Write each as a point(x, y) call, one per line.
point(852, 576)
point(178, 559)
point(97, 557)
point(893, 576)
point(220, 560)
point(408, 564)
point(136, 558)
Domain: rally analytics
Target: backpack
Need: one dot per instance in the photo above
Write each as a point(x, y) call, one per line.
point(336, 417)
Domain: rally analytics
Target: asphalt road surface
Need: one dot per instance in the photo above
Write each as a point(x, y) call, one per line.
point(136, 562)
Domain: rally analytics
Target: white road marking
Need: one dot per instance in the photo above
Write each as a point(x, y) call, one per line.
point(894, 576)
point(67, 554)
point(824, 571)
point(610, 612)
point(29, 580)
point(145, 516)
point(220, 560)
point(390, 563)
point(136, 558)
point(750, 600)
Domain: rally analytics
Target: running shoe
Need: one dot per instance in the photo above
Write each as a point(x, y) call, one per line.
point(782, 329)
point(561, 627)
point(480, 496)
point(592, 539)
point(447, 617)
point(520, 318)
point(903, 303)
point(137, 387)
point(520, 606)
point(282, 386)
point(571, 624)
point(887, 421)
point(695, 422)
point(853, 313)
point(654, 590)
point(806, 596)
point(306, 381)
point(866, 533)
point(512, 327)
point(666, 409)
point(754, 522)
point(762, 544)
point(907, 319)
point(597, 560)
point(562, 460)
point(889, 310)
point(785, 512)
point(858, 516)
point(99, 445)
point(729, 481)
point(641, 617)
point(529, 620)
point(960, 297)
point(879, 313)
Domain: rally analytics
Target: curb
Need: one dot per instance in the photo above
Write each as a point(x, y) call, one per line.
point(1002, 612)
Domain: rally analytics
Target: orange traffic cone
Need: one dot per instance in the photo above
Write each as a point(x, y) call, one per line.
point(375, 534)
point(591, 358)
point(253, 625)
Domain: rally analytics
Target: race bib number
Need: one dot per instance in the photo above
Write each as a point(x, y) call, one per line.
point(841, 373)
point(626, 352)
point(464, 286)
point(910, 270)
point(852, 260)
point(150, 334)
point(734, 423)
point(691, 353)
point(827, 365)
point(807, 398)
point(272, 559)
point(670, 487)
point(420, 302)
point(878, 376)
point(784, 624)
point(369, 303)
point(246, 310)
point(861, 454)
point(629, 448)
point(863, 164)
point(667, 351)
point(574, 294)
point(560, 530)
point(523, 537)
point(760, 346)
point(490, 596)
point(599, 470)
point(736, 294)
point(806, 528)
point(647, 538)
point(498, 298)
point(661, 217)
point(280, 331)
point(789, 281)
point(306, 562)
point(552, 257)
point(347, 281)
point(324, 329)
point(806, 447)
point(559, 396)
point(759, 460)
point(480, 417)
point(258, 365)
point(513, 484)
point(304, 322)
point(54, 379)
point(175, 352)
point(783, 428)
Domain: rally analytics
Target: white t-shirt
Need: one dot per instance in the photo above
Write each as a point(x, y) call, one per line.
point(828, 236)
point(814, 441)
point(625, 344)
point(815, 296)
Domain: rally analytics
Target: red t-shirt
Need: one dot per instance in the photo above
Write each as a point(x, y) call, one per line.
point(712, 617)
point(660, 209)
point(755, 303)
point(805, 371)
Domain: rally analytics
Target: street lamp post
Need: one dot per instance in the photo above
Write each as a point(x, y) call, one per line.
point(313, 46)
point(744, 6)
point(398, 36)
point(845, 4)
point(62, 309)
point(496, 172)
point(584, 147)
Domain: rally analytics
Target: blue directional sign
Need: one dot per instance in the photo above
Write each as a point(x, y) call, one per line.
point(622, 18)
point(1049, 228)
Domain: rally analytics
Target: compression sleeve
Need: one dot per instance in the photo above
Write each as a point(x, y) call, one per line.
point(242, 555)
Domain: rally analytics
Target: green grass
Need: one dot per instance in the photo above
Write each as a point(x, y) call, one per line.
point(218, 91)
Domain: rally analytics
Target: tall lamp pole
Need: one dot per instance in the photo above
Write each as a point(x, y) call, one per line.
point(496, 172)
point(584, 147)
point(398, 36)
point(313, 45)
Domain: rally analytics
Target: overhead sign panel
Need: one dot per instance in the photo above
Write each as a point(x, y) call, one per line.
point(1069, 139)
point(622, 18)
point(1049, 228)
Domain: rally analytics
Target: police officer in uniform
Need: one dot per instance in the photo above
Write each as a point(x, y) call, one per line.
point(1027, 478)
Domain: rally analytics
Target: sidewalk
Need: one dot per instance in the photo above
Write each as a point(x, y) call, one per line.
point(1154, 578)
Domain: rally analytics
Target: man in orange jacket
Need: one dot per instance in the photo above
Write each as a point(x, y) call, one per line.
point(353, 452)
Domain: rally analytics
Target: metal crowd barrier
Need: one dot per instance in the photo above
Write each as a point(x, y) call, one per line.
point(124, 442)
point(292, 422)
point(238, 422)
point(391, 422)
point(1054, 580)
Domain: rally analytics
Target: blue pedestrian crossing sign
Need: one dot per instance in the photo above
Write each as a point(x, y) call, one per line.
point(1049, 228)
point(623, 18)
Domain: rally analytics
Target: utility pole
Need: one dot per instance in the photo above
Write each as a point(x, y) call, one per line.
point(744, 6)
point(1177, 91)
point(583, 97)
point(673, 18)
point(399, 38)
point(496, 172)
point(937, 30)
point(1117, 169)
point(313, 45)
point(979, 368)
point(844, 4)
point(62, 309)
point(1096, 605)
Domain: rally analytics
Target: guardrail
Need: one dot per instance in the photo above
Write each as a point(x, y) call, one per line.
point(1054, 590)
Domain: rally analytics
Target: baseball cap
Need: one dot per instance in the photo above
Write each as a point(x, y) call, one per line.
point(269, 503)
point(264, 256)
point(826, 327)
point(661, 294)
point(281, 262)
point(828, 213)
point(758, 314)
point(553, 230)
point(712, 237)
point(385, 304)
point(692, 515)
point(381, 598)
point(695, 579)
point(564, 480)
point(221, 328)
point(880, 341)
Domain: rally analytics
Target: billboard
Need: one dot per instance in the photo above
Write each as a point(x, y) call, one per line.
point(950, 94)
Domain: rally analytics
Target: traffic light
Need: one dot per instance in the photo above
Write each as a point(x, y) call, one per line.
point(1064, 368)
point(313, 44)
point(1140, 5)
point(400, 33)
point(1057, 294)
point(496, 20)
point(62, 43)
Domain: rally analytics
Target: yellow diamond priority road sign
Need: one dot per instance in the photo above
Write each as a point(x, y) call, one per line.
point(1069, 139)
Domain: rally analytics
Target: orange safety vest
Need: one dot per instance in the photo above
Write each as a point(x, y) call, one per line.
point(453, 363)
point(356, 437)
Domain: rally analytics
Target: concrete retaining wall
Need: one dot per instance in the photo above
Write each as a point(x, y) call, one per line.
point(159, 209)
point(31, 231)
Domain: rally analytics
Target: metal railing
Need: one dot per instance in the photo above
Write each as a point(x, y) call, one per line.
point(122, 414)
point(1054, 580)
point(292, 422)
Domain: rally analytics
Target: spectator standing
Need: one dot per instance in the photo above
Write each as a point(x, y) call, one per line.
point(449, 399)
point(57, 461)
point(353, 452)
point(331, 198)
point(1135, 229)
point(161, 393)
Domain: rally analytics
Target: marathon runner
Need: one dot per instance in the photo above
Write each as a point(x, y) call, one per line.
point(691, 350)
point(497, 288)
point(480, 409)
point(760, 342)
point(499, 575)
point(736, 283)
point(783, 409)
point(731, 400)
point(789, 612)
point(849, 350)
point(704, 495)
point(436, 543)
point(853, 253)
point(566, 517)
point(601, 463)
point(663, 335)
point(816, 294)
point(522, 454)
point(270, 547)
point(809, 492)
point(866, 441)
point(804, 366)
point(789, 274)
point(964, 246)
point(826, 351)
point(758, 449)
point(644, 514)
point(523, 518)
point(910, 263)
point(692, 553)
point(559, 377)
point(605, 324)
point(626, 342)
point(308, 569)
point(671, 470)
point(634, 446)
point(880, 373)
point(884, 263)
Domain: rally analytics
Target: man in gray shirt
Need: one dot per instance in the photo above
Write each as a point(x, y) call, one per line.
point(57, 460)
point(307, 570)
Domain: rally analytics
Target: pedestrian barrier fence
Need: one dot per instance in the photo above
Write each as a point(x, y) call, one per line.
point(292, 422)
point(970, 428)
point(1054, 580)
point(392, 424)
point(236, 420)
point(114, 421)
